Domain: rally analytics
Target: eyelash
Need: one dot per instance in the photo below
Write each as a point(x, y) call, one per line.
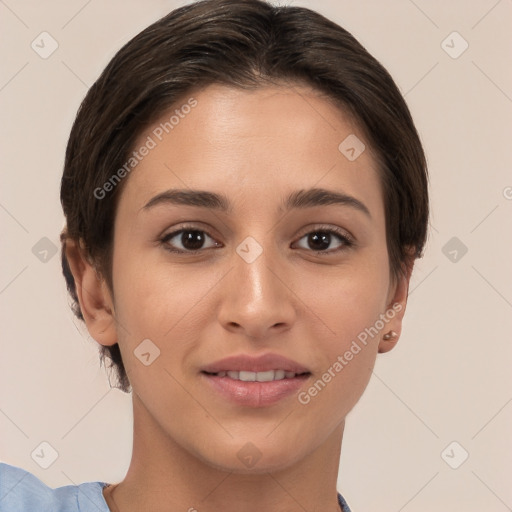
point(346, 240)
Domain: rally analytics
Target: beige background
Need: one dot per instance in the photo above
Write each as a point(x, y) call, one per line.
point(449, 378)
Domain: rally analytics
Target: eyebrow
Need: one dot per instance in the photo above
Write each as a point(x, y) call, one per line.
point(299, 199)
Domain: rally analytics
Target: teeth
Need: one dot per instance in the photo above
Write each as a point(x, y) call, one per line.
point(267, 376)
point(247, 376)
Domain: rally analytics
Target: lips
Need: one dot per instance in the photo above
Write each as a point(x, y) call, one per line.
point(255, 381)
point(253, 393)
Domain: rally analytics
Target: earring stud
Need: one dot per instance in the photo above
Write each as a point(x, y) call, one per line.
point(391, 335)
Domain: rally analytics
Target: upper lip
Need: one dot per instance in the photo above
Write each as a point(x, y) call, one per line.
point(261, 363)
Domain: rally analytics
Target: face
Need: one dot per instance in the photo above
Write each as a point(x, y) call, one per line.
point(264, 281)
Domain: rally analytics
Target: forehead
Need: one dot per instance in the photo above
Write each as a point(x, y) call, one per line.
point(270, 139)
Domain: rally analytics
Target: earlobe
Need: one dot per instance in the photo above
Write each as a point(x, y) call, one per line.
point(396, 311)
point(389, 340)
point(93, 295)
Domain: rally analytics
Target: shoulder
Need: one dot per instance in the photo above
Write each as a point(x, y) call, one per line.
point(21, 491)
point(343, 504)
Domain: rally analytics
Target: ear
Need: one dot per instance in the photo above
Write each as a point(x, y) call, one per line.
point(397, 302)
point(93, 295)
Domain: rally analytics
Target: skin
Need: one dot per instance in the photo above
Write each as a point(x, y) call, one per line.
point(255, 147)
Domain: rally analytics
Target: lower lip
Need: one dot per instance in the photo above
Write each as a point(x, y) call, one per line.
point(255, 394)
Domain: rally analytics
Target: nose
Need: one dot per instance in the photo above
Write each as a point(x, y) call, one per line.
point(258, 300)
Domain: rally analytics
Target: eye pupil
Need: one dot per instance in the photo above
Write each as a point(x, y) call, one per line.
point(319, 240)
point(192, 239)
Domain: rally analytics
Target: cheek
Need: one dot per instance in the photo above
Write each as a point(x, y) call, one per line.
point(347, 354)
point(349, 305)
point(158, 301)
point(350, 299)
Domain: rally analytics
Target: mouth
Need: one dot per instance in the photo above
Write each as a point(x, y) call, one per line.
point(255, 381)
point(255, 389)
point(266, 376)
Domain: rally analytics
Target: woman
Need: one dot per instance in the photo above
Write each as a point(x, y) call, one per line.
point(245, 195)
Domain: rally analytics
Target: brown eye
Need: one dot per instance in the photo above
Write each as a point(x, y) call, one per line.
point(321, 240)
point(187, 240)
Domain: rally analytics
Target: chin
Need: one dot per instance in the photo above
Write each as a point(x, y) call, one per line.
point(249, 459)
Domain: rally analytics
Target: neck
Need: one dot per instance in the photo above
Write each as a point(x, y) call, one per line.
point(164, 476)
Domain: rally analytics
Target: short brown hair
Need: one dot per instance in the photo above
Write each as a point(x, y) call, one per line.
point(246, 44)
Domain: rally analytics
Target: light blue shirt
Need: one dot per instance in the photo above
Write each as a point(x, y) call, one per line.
point(21, 491)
